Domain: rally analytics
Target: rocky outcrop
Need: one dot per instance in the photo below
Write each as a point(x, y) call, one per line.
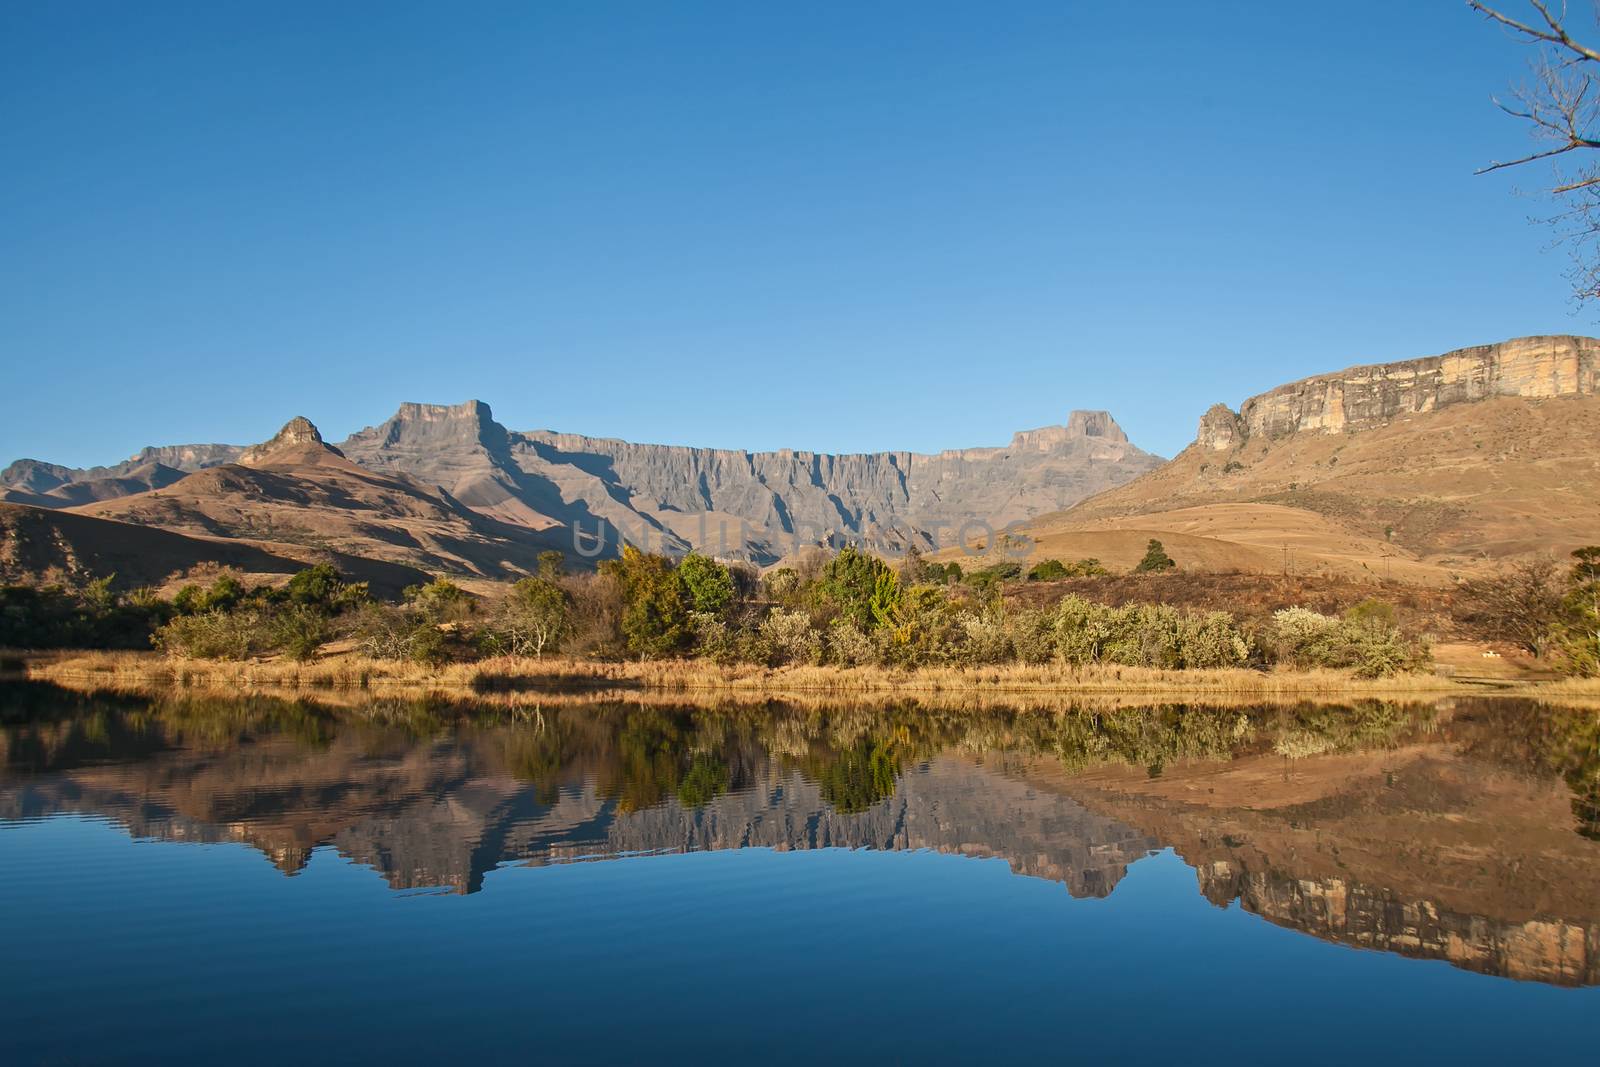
point(1368, 396)
point(298, 437)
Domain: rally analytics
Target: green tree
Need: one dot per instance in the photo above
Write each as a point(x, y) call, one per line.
point(1048, 571)
point(709, 584)
point(655, 616)
point(856, 584)
point(1155, 559)
point(225, 594)
point(552, 564)
point(323, 588)
point(1580, 630)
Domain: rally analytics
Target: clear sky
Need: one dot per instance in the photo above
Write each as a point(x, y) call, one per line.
point(836, 226)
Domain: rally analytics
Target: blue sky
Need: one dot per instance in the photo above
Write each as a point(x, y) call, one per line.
point(834, 226)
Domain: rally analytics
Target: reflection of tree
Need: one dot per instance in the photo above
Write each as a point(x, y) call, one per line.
point(856, 778)
point(641, 756)
point(707, 779)
point(1582, 771)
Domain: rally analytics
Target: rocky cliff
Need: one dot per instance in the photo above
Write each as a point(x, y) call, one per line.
point(1368, 396)
point(756, 505)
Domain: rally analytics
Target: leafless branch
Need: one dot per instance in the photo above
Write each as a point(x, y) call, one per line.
point(1560, 107)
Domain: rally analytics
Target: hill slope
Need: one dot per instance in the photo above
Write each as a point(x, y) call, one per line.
point(52, 545)
point(297, 491)
point(1412, 470)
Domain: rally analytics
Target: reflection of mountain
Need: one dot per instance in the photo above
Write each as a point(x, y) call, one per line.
point(949, 804)
point(1351, 913)
point(1450, 847)
point(1441, 836)
point(441, 814)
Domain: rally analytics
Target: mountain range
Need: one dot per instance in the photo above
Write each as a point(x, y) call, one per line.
point(447, 488)
point(1417, 470)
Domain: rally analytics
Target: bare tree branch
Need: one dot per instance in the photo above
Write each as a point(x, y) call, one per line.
point(1560, 108)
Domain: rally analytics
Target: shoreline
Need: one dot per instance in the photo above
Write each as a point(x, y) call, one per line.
point(697, 678)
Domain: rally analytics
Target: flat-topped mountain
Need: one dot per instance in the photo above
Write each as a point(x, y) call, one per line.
point(1366, 397)
point(756, 505)
point(1418, 469)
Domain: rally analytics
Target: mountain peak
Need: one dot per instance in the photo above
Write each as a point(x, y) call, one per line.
point(1096, 425)
point(432, 427)
point(298, 436)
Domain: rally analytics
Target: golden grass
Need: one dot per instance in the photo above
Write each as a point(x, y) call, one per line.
point(685, 678)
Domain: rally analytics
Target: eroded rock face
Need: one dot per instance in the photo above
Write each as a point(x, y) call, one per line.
point(297, 434)
point(1367, 396)
point(755, 505)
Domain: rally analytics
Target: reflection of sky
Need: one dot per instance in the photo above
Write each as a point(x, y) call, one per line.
point(156, 950)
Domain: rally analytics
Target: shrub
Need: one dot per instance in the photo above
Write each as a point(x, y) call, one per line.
point(1305, 639)
point(384, 631)
point(1147, 635)
point(224, 594)
point(91, 617)
point(215, 635)
point(1032, 635)
point(1155, 559)
point(984, 639)
point(1213, 640)
point(322, 587)
point(439, 601)
point(1049, 571)
point(849, 646)
point(789, 638)
point(714, 639)
point(1580, 613)
point(300, 631)
point(1082, 630)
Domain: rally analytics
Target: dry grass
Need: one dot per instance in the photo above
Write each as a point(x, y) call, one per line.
point(1012, 685)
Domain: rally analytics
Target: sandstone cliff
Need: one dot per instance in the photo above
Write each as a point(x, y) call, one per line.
point(1366, 397)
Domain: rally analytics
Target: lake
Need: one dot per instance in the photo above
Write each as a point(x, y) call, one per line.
point(198, 879)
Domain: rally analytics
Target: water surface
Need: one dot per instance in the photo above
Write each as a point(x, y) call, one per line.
point(188, 879)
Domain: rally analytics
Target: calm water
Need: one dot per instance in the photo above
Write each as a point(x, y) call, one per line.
point(191, 880)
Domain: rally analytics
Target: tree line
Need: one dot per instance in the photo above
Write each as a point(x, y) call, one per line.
point(849, 609)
